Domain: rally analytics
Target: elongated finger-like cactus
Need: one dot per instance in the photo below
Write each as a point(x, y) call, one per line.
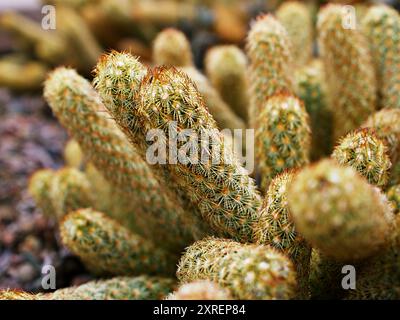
point(282, 137)
point(366, 153)
point(386, 123)
point(276, 228)
point(338, 212)
point(119, 288)
point(248, 271)
point(381, 25)
point(108, 248)
point(57, 193)
point(393, 194)
point(172, 48)
point(200, 290)
point(268, 48)
point(80, 110)
point(226, 67)
point(221, 193)
point(297, 20)
point(349, 70)
point(310, 87)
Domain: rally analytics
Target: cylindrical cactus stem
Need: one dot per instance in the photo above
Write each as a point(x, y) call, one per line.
point(325, 277)
point(296, 17)
point(180, 55)
point(11, 69)
point(365, 152)
point(381, 25)
point(207, 189)
point(172, 48)
point(200, 290)
point(248, 271)
point(108, 248)
point(269, 51)
point(378, 278)
point(218, 185)
point(73, 155)
point(57, 193)
point(349, 70)
point(118, 288)
point(393, 194)
point(338, 212)
point(386, 123)
point(39, 187)
point(48, 45)
point(80, 110)
point(282, 137)
point(310, 87)
point(226, 67)
point(276, 228)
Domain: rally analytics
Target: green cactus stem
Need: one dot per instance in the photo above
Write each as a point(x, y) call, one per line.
point(282, 137)
point(248, 271)
point(338, 212)
point(393, 194)
point(349, 70)
point(108, 248)
point(73, 155)
point(366, 153)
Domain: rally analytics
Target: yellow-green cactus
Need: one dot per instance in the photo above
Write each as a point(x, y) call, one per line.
point(381, 25)
point(200, 290)
point(269, 51)
point(297, 20)
point(57, 193)
point(349, 70)
point(386, 123)
point(119, 288)
point(73, 155)
point(276, 228)
point(393, 194)
point(365, 152)
point(310, 87)
point(248, 271)
point(338, 212)
point(282, 137)
point(226, 67)
point(172, 48)
point(79, 108)
point(108, 248)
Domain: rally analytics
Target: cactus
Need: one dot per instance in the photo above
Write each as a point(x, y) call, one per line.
point(80, 110)
point(310, 87)
point(378, 278)
point(57, 193)
point(276, 228)
point(349, 70)
point(180, 56)
point(297, 20)
point(393, 194)
point(223, 194)
point(381, 25)
point(338, 212)
point(226, 68)
point(325, 277)
point(248, 271)
point(200, 290)
point(386, 124)
point(282, 137)
point(108, 248)
point(366, 153)
point(119, 288)
point(73, 155)
point(172, 48)
point(268, 47)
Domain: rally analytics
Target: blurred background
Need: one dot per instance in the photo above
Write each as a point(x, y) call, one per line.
point(30, 138)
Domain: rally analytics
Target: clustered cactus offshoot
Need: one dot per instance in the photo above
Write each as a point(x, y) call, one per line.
point(130, 216)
